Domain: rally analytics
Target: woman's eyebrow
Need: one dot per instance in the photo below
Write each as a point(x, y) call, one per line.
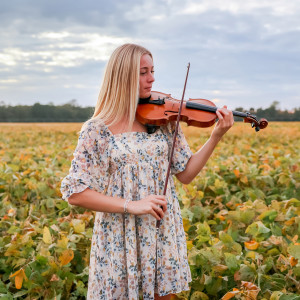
point(147, 67)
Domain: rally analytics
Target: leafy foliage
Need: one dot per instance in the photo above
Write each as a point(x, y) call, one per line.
point(241, 215)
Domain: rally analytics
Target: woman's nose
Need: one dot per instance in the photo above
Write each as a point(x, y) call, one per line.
point(151, 77)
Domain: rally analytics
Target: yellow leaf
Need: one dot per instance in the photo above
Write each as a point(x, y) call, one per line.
point(186, 224)
point(230, 295)
point(186, 201)
point(53, 265)
point(250, 289)
point(295, 239)
point(11, 212)
point(79, 226)
point(249, 285)
point(265, 167)
point(276, 163)
point(26, 172)
point(236, 151)
point(47, 235)
point(189, 245)
point(220, 184)
point(290, 221)
point(252, 245)
point(19, 280)
point(66, 257)
point(15, 274)
point(200, 194)
point(222, 218)
point(251, 254)
point(236, 173)
point(293, 261)
point(19, 277)
point(219, 268)
point(44, 250)
point(63, 243)
point(244, 179)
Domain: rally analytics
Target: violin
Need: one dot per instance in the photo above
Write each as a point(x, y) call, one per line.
point(161, 108)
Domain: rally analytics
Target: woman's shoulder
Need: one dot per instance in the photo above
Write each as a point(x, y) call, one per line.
point(94, 128)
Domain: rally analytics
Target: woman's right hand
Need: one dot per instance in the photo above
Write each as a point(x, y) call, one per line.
point(155, 205)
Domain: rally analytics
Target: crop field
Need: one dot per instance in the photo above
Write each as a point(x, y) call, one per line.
point(241, 215)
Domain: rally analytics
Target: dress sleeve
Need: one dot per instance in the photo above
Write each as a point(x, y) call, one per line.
point(182, 152)
point(90, 163)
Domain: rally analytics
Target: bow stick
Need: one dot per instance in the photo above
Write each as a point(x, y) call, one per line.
point(174, 138)
point(170, 162)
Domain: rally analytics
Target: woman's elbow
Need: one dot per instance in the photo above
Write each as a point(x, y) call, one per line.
point(183, 178)
point(72, 199)
point(187, 181)
point(75, 199)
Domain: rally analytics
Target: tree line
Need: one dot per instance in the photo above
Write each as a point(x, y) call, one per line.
point(71, 112)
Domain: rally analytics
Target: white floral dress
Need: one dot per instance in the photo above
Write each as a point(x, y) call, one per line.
point(131, 165)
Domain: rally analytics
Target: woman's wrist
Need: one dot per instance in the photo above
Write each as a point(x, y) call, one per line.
point(215, 138)
point(126, 202)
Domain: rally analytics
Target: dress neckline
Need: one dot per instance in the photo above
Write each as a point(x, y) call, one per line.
point(124, 133)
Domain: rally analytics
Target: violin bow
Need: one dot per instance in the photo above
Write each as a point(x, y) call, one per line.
point(174, 138)
point(170, 162)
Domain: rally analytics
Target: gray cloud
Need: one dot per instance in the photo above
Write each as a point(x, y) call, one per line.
point(241, 54)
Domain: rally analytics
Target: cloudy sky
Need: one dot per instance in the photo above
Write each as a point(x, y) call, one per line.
point(242, 53)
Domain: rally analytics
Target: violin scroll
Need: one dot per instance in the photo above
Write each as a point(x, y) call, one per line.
point(257, 124)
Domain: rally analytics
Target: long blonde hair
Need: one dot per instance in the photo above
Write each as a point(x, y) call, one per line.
point(119, 93)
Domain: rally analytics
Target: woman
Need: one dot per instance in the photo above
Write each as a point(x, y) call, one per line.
point(118, 170)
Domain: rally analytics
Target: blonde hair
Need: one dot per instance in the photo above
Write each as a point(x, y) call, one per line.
point(119, 93)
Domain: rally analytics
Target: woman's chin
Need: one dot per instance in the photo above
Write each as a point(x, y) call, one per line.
point(145, 95)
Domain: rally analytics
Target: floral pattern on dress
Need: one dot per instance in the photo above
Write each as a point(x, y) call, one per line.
point(132, 165)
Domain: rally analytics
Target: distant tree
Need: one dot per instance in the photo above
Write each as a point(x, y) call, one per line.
point(72, 112)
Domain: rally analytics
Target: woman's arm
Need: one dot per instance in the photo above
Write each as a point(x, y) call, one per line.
point(199, 159)
point(99, 202)
point(96, 201)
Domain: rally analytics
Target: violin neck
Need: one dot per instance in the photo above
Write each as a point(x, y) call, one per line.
point(199, 106)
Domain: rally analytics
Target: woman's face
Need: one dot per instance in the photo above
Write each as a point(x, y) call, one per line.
point(146, 76)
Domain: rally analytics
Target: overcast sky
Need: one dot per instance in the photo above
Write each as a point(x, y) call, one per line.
point(242, 53)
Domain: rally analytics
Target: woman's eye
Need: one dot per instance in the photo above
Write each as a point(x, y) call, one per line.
point(145, 73)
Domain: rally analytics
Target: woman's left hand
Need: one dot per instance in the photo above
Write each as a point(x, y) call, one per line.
point(224, 123)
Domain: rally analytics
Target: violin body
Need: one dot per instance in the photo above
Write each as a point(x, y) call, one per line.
point(161, 114)
point(161, 109)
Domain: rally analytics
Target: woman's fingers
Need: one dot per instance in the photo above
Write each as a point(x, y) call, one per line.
point(162, 203)
point(159, 197)
point(158, 211)
point(225, 116)
point(224, 123)
point(159, 206)
point(219, 115)
point(155, 215)
point(155, 205)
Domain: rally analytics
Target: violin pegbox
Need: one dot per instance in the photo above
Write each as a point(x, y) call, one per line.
point(257, 124)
